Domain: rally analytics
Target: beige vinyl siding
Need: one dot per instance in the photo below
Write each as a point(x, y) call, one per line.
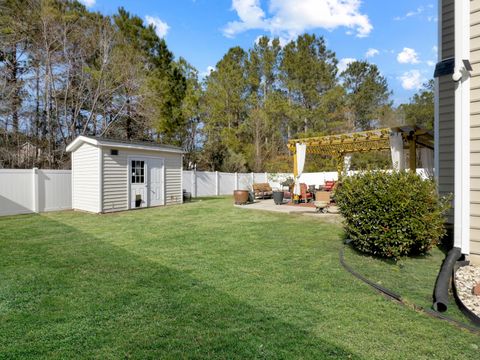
point(446, 138)
point(85, 178)
point(448, 29)
point(446, 111)
point(115, 177)
point(475, 132)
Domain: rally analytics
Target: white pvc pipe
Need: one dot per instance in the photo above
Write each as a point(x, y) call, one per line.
point(462, 128)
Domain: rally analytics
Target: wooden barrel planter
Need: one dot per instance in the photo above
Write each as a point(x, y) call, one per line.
point(240, 196)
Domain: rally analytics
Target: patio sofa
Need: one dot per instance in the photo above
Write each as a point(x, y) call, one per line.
point(262, 191)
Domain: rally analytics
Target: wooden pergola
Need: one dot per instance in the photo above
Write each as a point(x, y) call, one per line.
point(338, 146)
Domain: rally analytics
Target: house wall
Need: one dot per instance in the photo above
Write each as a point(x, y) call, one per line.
point(446, 110)
point(475, 132)
point(115, 177)
point(86, 178)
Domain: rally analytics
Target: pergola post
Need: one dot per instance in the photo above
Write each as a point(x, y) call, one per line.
point(340, 164)
point(412, 146)
point(295, 170)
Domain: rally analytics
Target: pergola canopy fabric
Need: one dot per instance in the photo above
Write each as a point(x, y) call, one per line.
point(396, 150)
point(300, 163)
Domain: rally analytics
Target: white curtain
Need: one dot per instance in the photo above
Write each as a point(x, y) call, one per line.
point(396, 149)
point(426, 159)
point(301, 152)
point(347, 161)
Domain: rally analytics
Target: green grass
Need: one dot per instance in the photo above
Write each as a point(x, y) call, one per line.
point(201, 280)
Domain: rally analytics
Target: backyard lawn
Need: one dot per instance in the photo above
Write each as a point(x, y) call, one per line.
point(207, 280)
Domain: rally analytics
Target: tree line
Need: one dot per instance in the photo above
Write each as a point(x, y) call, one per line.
point(66, 71)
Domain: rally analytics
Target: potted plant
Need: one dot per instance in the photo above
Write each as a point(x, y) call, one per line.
point(278, 197)
point(290, 182)
point(241, 197)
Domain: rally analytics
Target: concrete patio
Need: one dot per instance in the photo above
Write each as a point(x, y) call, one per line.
point(303, 209)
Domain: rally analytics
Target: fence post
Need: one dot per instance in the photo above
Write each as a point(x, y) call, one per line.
point(217, 185)
point(266, 177)
point(253, 178)
point(35, 196)
point(236, 181)
point(193, 186)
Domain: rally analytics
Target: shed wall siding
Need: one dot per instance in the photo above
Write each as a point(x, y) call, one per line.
point(115, 177)
point(173, 178)
point(475, 132)
point(85, 179)
point(446, 111)
point(115, 182)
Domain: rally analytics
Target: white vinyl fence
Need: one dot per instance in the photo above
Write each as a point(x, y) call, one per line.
point(213, 183)
point(317, 178)
point(34, 190)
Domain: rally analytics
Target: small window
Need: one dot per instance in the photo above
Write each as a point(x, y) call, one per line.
point(138, 172)
point(113, 152)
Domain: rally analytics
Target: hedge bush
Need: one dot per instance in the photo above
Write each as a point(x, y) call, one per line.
point(391, 214)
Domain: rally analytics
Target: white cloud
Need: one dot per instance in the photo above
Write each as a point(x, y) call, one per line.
point(371, 52)
point(408, 56)
point(161, 27)
point(343, 64)
point(207, 72)
point(412, 13)
point(435, 49)
point(422, 12)
point(289, 18)
point(412, 80)
point(88, 3)
point(431, 63)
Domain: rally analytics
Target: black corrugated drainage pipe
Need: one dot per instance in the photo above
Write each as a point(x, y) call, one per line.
point(440, 303)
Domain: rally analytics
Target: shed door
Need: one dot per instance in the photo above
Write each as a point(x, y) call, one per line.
point(155, 181)
point(138, 184)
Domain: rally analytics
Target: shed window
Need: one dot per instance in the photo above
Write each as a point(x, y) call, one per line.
point(138, 172)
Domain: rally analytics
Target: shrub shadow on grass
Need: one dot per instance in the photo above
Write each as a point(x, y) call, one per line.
point(389, 261)
point(68, 294)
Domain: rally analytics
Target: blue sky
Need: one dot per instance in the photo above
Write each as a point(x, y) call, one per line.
point(400, 37)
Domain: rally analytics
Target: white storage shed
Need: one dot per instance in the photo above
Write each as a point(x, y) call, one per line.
point(110, 175)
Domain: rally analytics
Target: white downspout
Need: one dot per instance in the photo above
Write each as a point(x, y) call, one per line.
point(436, 121)
point(462, 127)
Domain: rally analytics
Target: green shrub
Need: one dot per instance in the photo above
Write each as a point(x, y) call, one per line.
point(391, 214)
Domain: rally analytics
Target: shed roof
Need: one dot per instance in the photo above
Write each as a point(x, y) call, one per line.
point(122, 144)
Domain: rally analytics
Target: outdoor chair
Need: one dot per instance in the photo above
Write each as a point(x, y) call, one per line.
point(305, 195)
point(322, 201)
point(329, 185)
